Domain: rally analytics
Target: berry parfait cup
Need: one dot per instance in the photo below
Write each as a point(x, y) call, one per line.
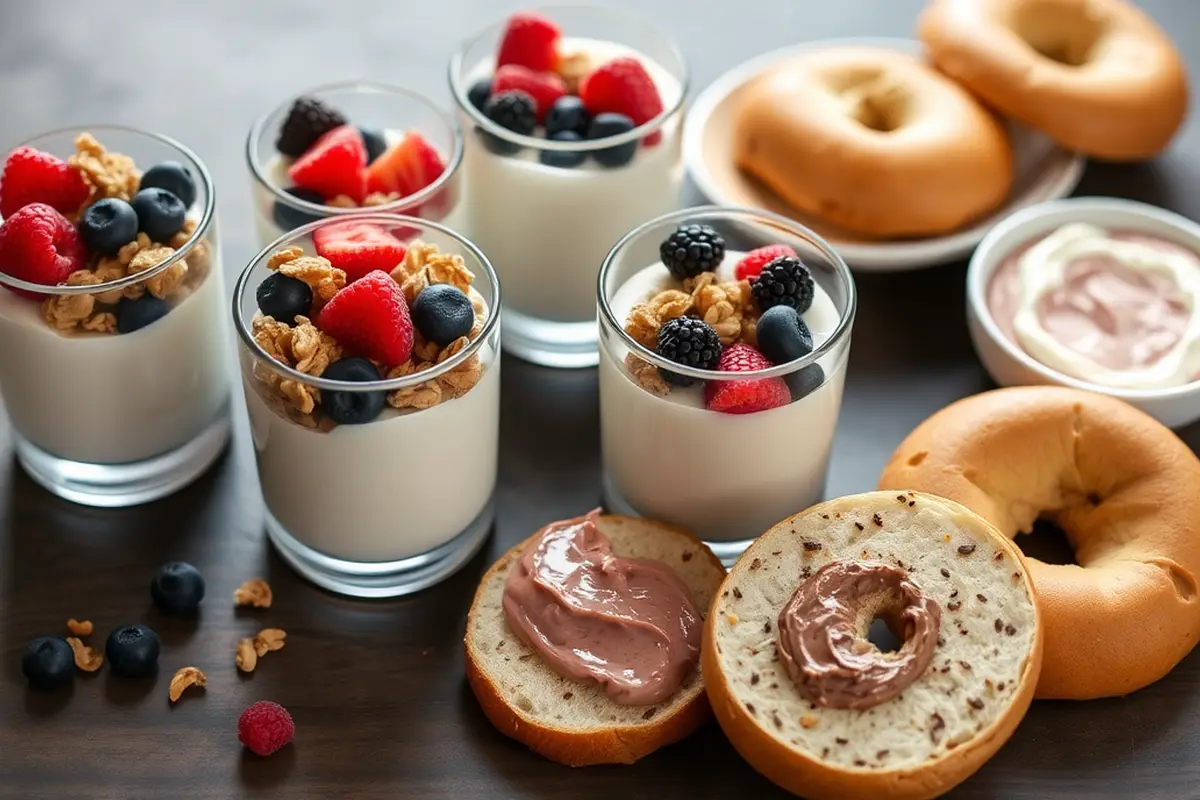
point(724, 339)
point(372, 383)
point(572, 118)
point(113, 368)
point(342, 148)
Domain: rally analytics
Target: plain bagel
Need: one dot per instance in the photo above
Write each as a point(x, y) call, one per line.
point(1097, 76)
point(874, 141)
point(1124, 489)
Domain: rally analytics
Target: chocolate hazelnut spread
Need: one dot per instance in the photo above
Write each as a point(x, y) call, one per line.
point(822, 629)
point(627, 623)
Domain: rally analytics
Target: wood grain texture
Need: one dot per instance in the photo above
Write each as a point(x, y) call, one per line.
point(377, 688)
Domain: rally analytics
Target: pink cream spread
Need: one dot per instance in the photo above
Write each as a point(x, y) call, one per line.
point(627, 623)
point(1117, 309)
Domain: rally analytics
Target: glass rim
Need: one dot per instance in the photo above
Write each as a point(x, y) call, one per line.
point(387, 384)
point(752, 215)
point(205, 222)
point(459, 91)
point(258, 171)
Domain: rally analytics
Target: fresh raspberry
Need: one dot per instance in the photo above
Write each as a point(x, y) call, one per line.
point(529, 40)
point(745, 397)
point(357, 248)
point(407, 168)
point(265, 727)
point(369, 317)
point(623, 86)
point(543, 87)
point(40, 245)
point(334, 165)
point(752, 263)
point(31, 176)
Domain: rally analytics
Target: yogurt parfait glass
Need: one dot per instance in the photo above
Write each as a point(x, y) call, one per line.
point(546, 206)
point(723, 454)
point(378, 481)
point(114, 376)
point(411, 147)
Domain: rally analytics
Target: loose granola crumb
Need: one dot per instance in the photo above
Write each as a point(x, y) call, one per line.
point(254, 592)
point(184, 678)
point(80, 627)
point(88, 659)
point(247, 656)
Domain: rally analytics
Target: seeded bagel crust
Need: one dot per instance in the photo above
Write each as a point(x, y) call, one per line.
point(949, 721)
point(569, 721)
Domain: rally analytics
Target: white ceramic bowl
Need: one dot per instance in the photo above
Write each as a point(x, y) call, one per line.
point(1007, 363)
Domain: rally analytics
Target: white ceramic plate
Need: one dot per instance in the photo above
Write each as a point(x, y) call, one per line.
point(1044, 170)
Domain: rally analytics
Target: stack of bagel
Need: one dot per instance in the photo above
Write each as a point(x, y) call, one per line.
point(889, 145)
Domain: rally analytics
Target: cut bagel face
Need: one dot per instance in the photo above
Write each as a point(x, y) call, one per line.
point(951, 717)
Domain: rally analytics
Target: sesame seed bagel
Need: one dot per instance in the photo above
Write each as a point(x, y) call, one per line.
point(1126, 492)
point(953, 715)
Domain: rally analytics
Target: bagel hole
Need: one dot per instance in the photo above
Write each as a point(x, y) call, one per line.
point(1047, 543)
point(1064, 33)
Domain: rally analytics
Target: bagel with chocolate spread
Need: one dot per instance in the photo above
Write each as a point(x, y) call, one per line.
point(1123, 488)
point(583, 641)
point(813, 705)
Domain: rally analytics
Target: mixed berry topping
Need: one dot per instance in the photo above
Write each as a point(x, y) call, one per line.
point(784, 281)
point(692, 249)
point(691, 342)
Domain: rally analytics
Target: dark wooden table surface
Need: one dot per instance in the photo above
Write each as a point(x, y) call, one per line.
point(376, 687)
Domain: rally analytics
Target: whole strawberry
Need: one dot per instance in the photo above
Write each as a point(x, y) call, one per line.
point(265, 727)
point(40, 245)
point(745, 396)
point(31, 176)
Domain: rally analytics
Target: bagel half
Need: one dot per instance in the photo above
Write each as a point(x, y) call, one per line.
point(1126, 492)
point(944, 725)
point(571, 722)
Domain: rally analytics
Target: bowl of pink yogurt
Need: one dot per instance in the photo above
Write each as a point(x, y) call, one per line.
point(1095, 293)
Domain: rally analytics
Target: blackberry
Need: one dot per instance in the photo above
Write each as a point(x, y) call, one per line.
point(308, 120)
point(783, 282)
point(688, 341)
point(692, 249)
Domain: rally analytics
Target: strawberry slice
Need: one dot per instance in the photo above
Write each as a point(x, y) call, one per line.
point(334, 165)
point(358, 248)
point(751, 264)
point(407, 168)
point(543, 87)
point(370, 317)
point(529, 40)
point(745, 397)
point(623, 86)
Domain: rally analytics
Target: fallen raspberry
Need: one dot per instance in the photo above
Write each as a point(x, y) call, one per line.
point(752, 263)
point(265, 727)
point(40, 245)
point(31, 176)
point(745, 396)
point(370, 318)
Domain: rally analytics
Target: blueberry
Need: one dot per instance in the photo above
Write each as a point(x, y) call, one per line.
point(48, 662)
point(284, 298)
point(132, 651)
point(352, 408)
point(133, 315)
point(443, 313)
point(375, 141)
point(561, 158)
point(289, 218)
point(567, 114)
point(160, 213)
point(177, 588)
point(175, 178)
point(608, 124)
point(108, 225)
point(805, 381)
point(782, 335)
point(479, 92)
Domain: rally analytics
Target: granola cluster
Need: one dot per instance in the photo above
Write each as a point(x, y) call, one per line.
point(109, 174)
point(306, 348)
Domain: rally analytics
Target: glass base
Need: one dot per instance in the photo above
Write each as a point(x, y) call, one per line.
point(565, 345)
point(727, 552)
point(131, 484)
point(378, 579)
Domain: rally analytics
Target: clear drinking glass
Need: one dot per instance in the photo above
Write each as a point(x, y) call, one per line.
point(401, 501)
point(547, 227)
point(391, 110)
point(725, 477)
point(104, 414)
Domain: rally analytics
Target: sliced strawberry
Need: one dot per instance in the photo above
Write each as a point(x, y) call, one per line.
point(752, 263)
point(407, 168)
point(543, 87)
point(334, 165)
point(529, 40)
point(748, 396)
point(623, 86)
point(31, 176)
point(370, 318)
point(358, 248)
